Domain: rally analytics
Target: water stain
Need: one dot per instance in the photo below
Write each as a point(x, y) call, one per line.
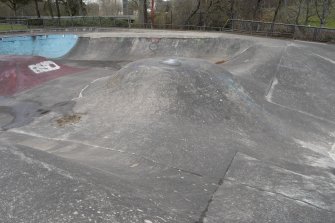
point(24, 112)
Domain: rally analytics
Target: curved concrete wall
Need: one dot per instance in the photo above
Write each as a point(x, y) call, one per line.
point(133, 48)
point(50, 46)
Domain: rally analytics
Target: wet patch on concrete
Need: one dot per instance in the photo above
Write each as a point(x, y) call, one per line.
point(14, 114)
point(108, 65)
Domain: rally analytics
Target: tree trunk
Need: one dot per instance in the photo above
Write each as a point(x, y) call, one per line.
point(277, 10)
point(286, 11)
point(307, 11)
point(125, 7)
point(14, 9)
point(232, 9)
point(276, 14)
point(143, 12)
point(193, 13)
point(325, 9)
point(57, 8)
point(68, 8)
point(324, 14)
point(37, 10)
point(50, 8)
point(257, 9)
point(207, 12)
point(80, 8)
point(298, 13)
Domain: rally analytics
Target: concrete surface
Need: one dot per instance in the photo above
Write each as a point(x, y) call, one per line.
point(51, 46)
point(233, 129)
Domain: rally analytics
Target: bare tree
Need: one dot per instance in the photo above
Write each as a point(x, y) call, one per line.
point(49, 5)
point(187, 21)
point(308, 7)
point(15, 4)
point(257, 9)
point(324, 13)
point(57, 8)
point(143, 11)
point(279, 4)
point(232, 9)
point(37, 9)
point(125, 7)
point(299, 11)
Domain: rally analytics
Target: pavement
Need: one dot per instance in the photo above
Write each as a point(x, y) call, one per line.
point(174, 126)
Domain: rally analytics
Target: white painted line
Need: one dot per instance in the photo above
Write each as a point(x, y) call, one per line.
point(332, 152)
point(325, 58)
point(99, 79)
point(271, 90)
point(81, 93)
point(82, 90)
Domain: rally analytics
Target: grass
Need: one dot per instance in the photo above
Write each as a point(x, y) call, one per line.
point(313, 21)
point(8, 27)
point(330, 23)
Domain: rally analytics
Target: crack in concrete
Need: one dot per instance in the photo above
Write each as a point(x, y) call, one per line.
point(107, 148)
point(280, 194)
point(204, 212)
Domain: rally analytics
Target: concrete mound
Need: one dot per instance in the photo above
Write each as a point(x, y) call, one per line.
point(181, 89)
point(179, 112)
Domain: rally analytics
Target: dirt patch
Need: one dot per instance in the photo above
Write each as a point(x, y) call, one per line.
point(220, 62)
point(68, 120)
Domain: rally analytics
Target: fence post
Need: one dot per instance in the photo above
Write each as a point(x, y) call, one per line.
point(314, 35)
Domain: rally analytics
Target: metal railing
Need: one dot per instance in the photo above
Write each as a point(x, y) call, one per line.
point(302, 32)
point(103, 23)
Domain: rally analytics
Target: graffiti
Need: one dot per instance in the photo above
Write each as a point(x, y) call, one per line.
point(154, 44)
point(44, 66)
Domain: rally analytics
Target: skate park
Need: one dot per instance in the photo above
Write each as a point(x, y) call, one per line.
point(166, 126)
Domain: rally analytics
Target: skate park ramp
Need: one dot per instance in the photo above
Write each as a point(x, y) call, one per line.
point(26, 61)
point(172, 126)
point(50, 46)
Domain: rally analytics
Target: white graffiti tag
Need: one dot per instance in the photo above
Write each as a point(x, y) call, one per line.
point(44, 66)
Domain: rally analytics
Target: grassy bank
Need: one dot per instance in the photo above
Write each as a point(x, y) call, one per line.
point(8, 27)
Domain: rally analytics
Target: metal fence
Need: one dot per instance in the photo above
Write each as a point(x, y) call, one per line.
point(282, 30)
point(100, 23)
